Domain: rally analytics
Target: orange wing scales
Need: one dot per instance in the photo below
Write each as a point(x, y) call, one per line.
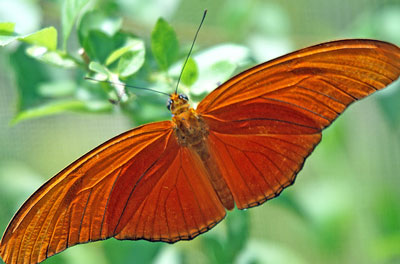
point(88, 200)
point(260, 145)
point(190, 205)
point(265, 121)
point(259, 167)
point(363, 65)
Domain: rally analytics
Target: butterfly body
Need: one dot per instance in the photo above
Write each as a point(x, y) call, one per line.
point(192, 132)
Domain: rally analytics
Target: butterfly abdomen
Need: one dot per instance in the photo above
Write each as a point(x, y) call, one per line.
point(218, 182)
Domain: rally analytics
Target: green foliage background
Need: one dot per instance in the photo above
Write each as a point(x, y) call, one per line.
point(345, 205)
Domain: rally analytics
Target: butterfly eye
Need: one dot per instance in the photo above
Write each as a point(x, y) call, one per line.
point(169, 103)
point(184, 97)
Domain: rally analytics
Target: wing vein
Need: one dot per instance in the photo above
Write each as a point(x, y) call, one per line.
point(108, 200)
point(259, 171)
point(273, 119)
point(180, 205)
point(83, 215)
point(133, 189)
point(298, 106)
point(351, 67)
point(197, 201)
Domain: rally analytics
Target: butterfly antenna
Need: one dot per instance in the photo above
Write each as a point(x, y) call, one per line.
point(190, 51)
point(127, 85)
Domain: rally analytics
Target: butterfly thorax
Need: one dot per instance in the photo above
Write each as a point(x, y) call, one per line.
point(190, 129)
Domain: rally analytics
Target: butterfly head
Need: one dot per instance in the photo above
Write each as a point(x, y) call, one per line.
point(178, 103)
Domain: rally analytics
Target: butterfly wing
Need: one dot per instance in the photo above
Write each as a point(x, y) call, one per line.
point(265, 121)
point(138, 185)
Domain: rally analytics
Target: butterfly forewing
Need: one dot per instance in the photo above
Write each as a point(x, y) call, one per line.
point(338, 73)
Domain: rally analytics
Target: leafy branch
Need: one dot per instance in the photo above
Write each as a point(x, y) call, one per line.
point(50, 76)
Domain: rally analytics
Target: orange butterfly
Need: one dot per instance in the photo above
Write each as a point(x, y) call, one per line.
point(173, 180)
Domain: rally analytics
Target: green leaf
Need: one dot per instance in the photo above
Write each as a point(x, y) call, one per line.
point(56, 57)
point(131, 57)
point(70, 11)
point(35, 89)
point(57, 88)
point(46, 37)
point(51, 108)
point(7, 27)
point(98, 45)
point(60, 106)
point(99, 68)
point(29, 73)
point(7, 34)
point(122, 53)
point(130, 63)
point(164, 44)
point(131, 45)
point(190, 73)
point(96, 20)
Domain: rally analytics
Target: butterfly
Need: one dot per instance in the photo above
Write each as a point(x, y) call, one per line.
point(173, 180)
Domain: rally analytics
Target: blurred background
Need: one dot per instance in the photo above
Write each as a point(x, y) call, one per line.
point(345, 204)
